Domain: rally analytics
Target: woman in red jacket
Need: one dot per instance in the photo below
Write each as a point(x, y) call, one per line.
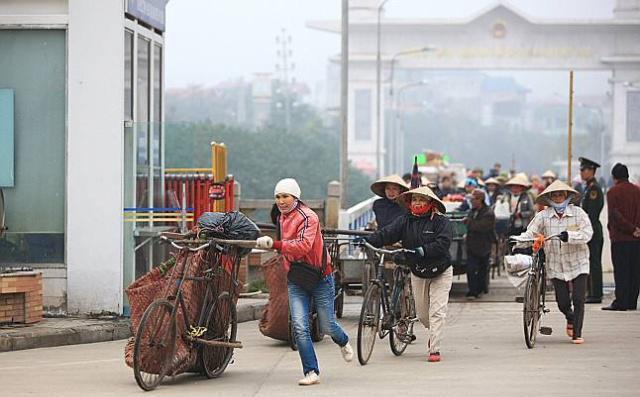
point(301, 242)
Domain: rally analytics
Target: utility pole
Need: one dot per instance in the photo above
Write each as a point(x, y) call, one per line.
point(344, 104)
point(285, 67)
point(379, 170)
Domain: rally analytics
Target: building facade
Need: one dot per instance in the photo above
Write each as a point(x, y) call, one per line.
point(497, 38)
point(86, 82)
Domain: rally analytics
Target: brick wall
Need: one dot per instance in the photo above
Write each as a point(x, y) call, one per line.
point(21, 297)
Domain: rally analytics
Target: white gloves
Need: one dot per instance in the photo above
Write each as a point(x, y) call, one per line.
point(264, 242)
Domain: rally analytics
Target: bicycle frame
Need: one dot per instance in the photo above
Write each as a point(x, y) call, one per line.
point(209, 276)
point(389, 305)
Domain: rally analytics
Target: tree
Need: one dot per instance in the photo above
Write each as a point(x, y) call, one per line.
point(259, 159)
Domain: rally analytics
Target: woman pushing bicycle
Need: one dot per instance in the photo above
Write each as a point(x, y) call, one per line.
point(567, 261)
point(427, 231)
point(309, 276)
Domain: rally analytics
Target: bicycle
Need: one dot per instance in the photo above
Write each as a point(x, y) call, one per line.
point(399, 313)
point(215, 330)
point(534, 301)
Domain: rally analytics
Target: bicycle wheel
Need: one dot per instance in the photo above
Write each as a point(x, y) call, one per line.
point(531, 310)
point(154, 345)
point(222, 326)
point(368, 270)
point(369, 323)
point(402, 331)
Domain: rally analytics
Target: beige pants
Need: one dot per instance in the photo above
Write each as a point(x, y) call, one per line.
point(432, 296)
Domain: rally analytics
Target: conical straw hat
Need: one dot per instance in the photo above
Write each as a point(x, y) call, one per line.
point(520, 180)
point(549, 174)
point(556, 186)
point(492, 181)
point(378, 186)
point(405, 198)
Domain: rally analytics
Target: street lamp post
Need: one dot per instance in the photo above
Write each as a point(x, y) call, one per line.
point(378, 92)
point(395, 165)
point(398, 142)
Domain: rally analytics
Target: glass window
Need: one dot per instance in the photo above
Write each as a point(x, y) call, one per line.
point(128, 75)
point(363, 115)
point(157, 98)
point(143, 100)
point(156, 144)
point(142, 123)
point(633, 116)
point(33, 63)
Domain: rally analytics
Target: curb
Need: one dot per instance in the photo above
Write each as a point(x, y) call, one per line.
point(35, 337)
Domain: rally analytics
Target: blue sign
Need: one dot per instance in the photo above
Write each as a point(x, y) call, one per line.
point(149, 11)
point(6, 138)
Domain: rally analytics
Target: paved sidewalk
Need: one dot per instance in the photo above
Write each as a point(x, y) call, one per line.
point(74, 330)
point(484, 355)
point(77, 330)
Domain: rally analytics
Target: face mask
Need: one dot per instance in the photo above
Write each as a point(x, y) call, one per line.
point(294, 205)
point(561, 207)
point(421, 210)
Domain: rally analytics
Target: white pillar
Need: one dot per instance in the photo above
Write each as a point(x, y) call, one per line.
point(95, 155)
point(622, 149)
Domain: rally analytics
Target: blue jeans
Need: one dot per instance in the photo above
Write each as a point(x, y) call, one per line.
point(300, 307)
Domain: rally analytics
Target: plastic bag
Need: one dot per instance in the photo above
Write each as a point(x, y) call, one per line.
point(517, 267)
point(228, 225)
point(501, 210)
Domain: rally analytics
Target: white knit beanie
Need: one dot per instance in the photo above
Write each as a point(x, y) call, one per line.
point(288, 186)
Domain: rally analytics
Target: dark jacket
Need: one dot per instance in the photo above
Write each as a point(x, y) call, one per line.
point(386, 211)
point(623, 202)
point(480, 231)
point(432, 232)
point(592, 203)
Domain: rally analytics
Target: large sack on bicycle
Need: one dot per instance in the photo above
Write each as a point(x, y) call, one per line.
point(228, 225)
point(156, 287)
point(275, 319)
point(141, 293)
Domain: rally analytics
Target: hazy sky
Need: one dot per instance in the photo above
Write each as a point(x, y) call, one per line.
point(209, 41)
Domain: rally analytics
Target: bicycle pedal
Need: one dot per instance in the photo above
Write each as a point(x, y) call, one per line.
point(546, 330)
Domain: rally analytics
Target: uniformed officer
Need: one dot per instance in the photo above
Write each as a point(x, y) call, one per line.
point(592, 203)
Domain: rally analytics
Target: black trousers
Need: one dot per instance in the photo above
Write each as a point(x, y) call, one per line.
point(625, 256)
point(477, 271)
point(568, 292)
point(595, 268)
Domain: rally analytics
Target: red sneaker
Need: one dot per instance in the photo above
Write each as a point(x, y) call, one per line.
point(434, 357)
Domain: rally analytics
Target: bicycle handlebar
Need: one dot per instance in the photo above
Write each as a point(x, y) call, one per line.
point(388, 252)
point(515, 239)
point(207, 243)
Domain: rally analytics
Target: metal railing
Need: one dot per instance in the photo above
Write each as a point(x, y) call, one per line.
point(358, 216)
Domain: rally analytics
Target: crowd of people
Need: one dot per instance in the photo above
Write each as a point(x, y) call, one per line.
point(512, 206)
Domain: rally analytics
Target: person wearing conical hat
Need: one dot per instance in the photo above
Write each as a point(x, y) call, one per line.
point(521, 203)
point(493, 188)
point(592, 203)
point(427, 231)
point(567, 261)
point(548, 177)
point(386, 208)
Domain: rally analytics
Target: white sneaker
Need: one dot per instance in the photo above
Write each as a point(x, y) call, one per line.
point(311, 378)
point(347, 352)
